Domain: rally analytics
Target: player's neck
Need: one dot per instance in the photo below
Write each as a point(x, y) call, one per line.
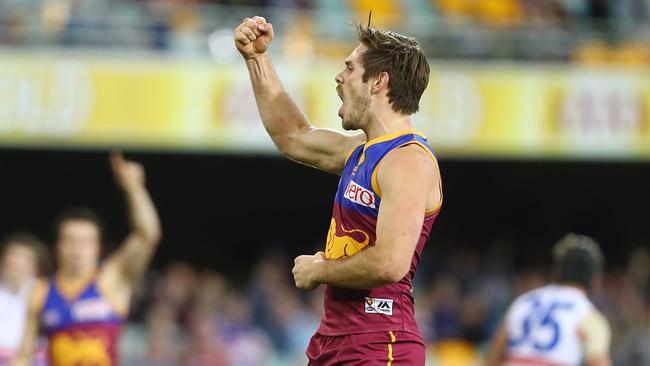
point(386, 124)
point(75, 275)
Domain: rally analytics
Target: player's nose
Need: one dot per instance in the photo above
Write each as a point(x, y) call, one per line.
point(338, 78)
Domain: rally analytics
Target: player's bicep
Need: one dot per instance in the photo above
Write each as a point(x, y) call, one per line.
point(595, 332)
point(323, 148)
point(131, 260)
point(405, 180)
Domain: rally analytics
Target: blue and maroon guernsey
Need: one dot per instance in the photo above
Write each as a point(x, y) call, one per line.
point(82, 328)
point(353, 227)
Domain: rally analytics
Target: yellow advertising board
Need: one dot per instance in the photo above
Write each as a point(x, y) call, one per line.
point(467, 110)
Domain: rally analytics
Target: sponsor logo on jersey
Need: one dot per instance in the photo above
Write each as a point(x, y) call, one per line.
point(91, 309)
point(359, 195)
point(379, 306)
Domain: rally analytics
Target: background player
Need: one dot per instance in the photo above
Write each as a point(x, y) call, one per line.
point(388, 197)
point(557, 324)
point(82, 307)
point(20, 262)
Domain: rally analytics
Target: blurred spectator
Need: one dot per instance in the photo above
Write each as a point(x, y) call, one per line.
point(446, 303)
point(206, 347)
point(247, 344)
point(22, 258)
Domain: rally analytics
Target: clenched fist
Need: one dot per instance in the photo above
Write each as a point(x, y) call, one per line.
point(129, 175)
point(304, 270)
point(253, 36)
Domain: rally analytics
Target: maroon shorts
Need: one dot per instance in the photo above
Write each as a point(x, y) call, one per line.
point(374, 349)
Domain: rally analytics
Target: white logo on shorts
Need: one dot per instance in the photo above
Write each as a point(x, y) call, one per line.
point(379, 306)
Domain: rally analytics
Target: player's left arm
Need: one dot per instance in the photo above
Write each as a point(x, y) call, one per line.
point(132, 258)
point(408, 180)
point(596, 337)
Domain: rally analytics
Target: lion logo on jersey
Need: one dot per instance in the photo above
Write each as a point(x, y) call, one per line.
point(346, 245)
point(68, 351)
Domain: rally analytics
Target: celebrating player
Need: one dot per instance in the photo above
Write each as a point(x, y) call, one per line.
point(19, 265)
point(557, 324)
point(388, 197)
point(82, 307)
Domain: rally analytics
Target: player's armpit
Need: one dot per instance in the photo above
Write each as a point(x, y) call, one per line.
point(408, 179)
point(123, 269)
point(596, 335)
point(116, 286)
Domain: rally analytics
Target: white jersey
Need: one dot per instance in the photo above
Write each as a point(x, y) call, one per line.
point(543, 327)
point(13, 316)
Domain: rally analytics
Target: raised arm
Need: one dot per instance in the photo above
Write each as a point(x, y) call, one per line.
point(321, 148)
point(134, 255)
point(399, 225)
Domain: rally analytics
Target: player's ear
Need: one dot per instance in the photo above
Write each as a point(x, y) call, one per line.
point(380, 82)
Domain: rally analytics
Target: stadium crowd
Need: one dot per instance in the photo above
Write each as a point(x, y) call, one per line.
point(520, 29)
point(190, 316)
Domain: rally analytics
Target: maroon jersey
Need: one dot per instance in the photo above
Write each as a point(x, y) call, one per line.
point(82, 325)
point(352, 228)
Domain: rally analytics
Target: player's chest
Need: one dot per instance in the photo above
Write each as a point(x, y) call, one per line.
point(61, 312)
point(355, 191)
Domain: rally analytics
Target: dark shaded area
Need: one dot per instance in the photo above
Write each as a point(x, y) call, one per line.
point(225, 211)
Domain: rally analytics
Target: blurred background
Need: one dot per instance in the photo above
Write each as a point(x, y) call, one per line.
point(539, 111)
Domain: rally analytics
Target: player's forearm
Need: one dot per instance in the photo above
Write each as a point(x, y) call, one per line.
point(367, 269)
point(143, 216)
point(281, 117)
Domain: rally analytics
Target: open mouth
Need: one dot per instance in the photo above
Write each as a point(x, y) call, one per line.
point(338, 91)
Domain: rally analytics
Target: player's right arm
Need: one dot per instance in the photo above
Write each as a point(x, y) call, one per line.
point(30, 333)
point(325, 149)
point(596, 337)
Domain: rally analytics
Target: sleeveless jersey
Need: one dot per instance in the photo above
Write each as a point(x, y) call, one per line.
point(82, 328)
point(13, 315)
point(353, 228)
point(542, 327)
